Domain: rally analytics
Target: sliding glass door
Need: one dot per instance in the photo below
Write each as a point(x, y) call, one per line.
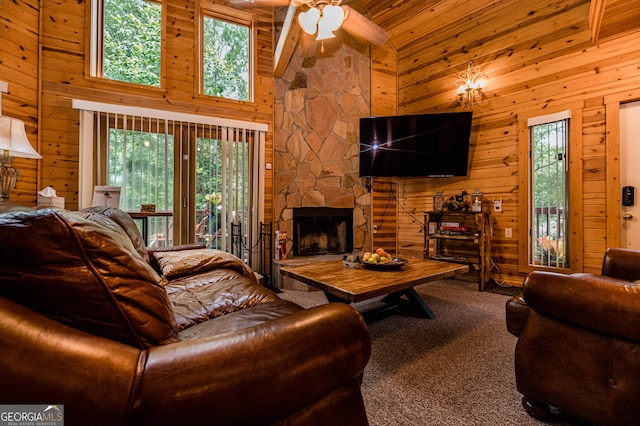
point(200, 173)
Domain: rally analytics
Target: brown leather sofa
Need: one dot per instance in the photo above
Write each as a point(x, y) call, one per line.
point(122, 336)
point(578, 350)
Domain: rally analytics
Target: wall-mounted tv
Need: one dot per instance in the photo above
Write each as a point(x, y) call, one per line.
point(431, 145)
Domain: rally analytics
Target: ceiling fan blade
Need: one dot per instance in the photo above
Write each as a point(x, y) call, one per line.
point(361, 27)
point(259, 3)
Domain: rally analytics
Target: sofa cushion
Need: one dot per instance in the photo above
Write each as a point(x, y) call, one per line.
point(127, 224)
point(82, 270)
point(175, 264)
point(210, 294)
point(240, 320)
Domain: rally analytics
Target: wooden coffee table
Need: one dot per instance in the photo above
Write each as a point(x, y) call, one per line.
point(349, 285)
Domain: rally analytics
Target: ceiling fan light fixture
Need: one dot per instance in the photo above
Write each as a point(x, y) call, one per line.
point(333, 15)
point(309, 20)
point(324, 30)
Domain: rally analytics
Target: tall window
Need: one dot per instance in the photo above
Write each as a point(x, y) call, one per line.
point(548, 189)
point(225, 58)
point(126, 40)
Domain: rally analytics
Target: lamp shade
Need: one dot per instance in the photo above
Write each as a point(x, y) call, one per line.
point(13, 138)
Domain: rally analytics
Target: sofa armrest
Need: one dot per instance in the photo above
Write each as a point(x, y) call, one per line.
point(609, 306)
point(517, 313)
point(257, 375)
point(622, 263)
point(43, 360)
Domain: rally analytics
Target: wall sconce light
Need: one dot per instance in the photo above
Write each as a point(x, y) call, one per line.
point(13, 143)
point(469, 84)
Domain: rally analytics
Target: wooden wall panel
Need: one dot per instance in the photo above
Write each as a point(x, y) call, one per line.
point(65, 76)
point(384, 84)
point(545, 62)
point(19, 65)
point(384, 214)
point(594, 189)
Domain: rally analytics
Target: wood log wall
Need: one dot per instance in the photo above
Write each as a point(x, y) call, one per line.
point(535, 64)
point(541, 60)
point(19, 61)
point(45, 61)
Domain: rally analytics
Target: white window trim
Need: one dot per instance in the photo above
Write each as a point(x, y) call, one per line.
point(166, 115)
point(550, 118)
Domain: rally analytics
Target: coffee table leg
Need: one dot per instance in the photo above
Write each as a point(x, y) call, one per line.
point(415, 299)
point(394, 303)
point(332, 298)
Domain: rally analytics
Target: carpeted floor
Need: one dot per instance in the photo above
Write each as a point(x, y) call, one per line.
point(456, 369)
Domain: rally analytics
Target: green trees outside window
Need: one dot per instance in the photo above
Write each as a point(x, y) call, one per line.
point(549, 190)
point(225, 59)
point(128, 48)
point(132, 41)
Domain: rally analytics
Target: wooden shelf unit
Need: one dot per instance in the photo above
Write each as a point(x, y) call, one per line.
point(473, 249)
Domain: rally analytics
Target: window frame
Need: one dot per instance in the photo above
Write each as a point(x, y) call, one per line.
point(575, 178)
point(95, 47)
point(232, 16)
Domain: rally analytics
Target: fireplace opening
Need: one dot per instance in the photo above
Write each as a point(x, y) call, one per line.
point(322, 230)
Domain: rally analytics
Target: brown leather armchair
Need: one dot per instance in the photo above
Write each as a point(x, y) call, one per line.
point(87, 322)
point(578, 349)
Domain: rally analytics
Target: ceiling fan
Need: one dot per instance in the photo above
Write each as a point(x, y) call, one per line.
point(323, 17)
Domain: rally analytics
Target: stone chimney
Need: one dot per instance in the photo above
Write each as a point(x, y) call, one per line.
point(318, 105)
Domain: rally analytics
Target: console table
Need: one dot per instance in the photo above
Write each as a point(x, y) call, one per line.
point(472, 247)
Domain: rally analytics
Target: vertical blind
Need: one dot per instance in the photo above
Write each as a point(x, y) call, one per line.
point(204, 171)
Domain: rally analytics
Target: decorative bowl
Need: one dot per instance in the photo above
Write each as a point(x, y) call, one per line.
point(396, 263)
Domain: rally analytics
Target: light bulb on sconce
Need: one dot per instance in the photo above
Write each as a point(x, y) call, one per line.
point(470, 84)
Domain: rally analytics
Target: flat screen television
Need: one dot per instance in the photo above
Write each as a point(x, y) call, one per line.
point(422, 145)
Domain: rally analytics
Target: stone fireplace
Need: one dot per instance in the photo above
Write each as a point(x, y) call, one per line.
point(322, 230)
point(318, 103)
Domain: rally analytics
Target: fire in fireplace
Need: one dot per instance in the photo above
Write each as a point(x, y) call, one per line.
point(322, 230)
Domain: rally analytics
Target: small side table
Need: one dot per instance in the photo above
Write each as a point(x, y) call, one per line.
point(144, 217)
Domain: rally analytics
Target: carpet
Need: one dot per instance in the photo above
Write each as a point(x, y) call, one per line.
point(455, 369)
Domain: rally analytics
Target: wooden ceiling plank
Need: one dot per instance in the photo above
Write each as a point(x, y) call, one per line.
point(488, 45)
point(408, 22)
point(619, 17)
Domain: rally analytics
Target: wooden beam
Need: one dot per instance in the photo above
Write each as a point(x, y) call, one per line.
point(287, 42)
point(596, 13)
